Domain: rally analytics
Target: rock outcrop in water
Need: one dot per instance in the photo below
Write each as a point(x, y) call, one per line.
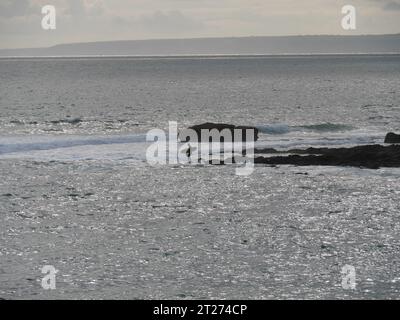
point(220, 127)
point(392, 138)
point(365, 156)
point(369, 156)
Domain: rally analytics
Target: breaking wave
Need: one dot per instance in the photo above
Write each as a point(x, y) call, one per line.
point(323, 127)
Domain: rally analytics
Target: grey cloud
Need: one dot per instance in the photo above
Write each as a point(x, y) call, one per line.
point(76, 7)
point(79, 8)
point(393, 6)
point(19, 8)
point(174, 21)
point(389, 5)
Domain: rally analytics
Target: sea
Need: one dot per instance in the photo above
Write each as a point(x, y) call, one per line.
point(77, 192)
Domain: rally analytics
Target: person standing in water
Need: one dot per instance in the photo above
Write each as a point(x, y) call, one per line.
point(189, 153)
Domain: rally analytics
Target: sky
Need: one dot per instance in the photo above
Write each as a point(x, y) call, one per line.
point(104, 20)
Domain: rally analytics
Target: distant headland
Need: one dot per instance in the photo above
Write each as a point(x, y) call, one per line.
point(277, 45)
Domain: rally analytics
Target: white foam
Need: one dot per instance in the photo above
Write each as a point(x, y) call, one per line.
point(73, 147)
point(308, 139)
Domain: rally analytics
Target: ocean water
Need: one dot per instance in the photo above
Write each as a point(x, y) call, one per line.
point(77, 193)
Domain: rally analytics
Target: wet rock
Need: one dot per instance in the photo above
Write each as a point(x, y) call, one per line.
point(392, 138)
point(369, 156)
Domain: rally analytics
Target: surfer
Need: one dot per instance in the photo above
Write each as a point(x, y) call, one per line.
point(189, 153)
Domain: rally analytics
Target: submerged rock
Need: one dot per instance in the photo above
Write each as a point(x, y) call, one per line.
point(392, 138)
point(220, 127)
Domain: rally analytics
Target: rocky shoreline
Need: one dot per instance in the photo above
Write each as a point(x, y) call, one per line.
point(368, 156)
point(364, 156)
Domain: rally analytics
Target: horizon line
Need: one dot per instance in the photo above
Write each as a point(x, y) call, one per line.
point(204, 38)
point(205, 56)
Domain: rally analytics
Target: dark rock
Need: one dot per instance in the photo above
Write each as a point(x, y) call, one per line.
point(369, 156)
point(392, 138)
point(219, 126)
point(266, 150)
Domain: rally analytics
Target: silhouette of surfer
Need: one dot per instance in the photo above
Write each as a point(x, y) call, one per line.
point(189, 152)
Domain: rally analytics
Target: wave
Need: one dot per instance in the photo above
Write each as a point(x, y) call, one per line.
point(282, 144)
point(328, 127)
point(42, 143)
point(322, 127)
point(274, 129)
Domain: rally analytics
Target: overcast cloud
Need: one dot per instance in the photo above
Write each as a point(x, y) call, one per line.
point(100, 20)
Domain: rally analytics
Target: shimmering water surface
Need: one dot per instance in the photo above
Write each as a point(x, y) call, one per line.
point(77, 193)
